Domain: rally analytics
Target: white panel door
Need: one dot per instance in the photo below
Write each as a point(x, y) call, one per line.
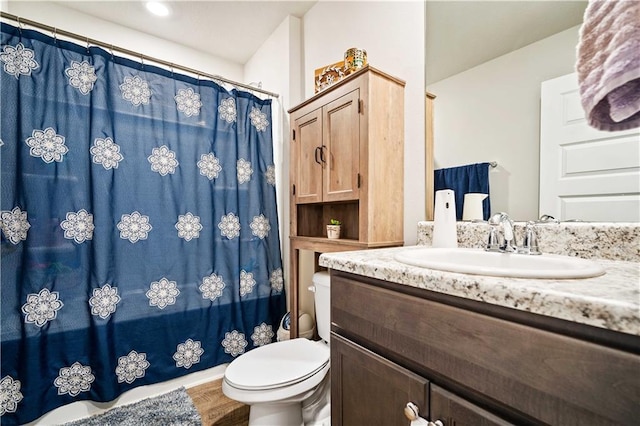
point(585, 174)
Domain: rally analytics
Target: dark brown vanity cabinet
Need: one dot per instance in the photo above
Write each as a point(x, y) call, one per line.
point(469, 363)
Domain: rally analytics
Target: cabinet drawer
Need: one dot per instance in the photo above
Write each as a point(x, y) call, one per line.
point(517, 369)
point(370, 390)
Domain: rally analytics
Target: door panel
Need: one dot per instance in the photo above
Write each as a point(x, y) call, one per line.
point(452, 410)
point(341, 148)
point(368, 389)
point(585, 173)
point(308, 173)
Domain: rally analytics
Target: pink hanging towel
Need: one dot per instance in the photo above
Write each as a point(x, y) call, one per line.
point(608, 64)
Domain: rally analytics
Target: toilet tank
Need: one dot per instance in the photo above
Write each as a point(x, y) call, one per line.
point(323, 304)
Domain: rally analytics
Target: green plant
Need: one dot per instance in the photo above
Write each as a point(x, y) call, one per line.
point(335, 222)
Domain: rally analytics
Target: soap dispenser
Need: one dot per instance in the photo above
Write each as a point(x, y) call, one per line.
point(444, 220)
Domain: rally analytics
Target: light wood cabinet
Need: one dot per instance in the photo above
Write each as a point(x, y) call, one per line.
point(326, 142)
point(347, 163)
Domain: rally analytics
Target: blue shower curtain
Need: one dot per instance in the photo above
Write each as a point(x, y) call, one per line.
point(139, 225)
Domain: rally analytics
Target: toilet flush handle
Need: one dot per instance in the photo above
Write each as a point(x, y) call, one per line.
point(312, 288)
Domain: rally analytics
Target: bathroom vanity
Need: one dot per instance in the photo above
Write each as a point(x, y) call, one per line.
point(481, 350)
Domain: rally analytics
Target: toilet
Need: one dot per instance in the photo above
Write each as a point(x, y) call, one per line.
point(276, 378)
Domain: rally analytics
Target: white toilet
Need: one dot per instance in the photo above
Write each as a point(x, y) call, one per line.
point(274, 379)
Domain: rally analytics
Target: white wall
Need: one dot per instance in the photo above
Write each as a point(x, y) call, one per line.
point(277, 64)
point(61, 17)
point(392, 33)
point(492, 113)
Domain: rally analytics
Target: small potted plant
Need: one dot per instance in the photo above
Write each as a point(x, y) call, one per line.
point(333, 229)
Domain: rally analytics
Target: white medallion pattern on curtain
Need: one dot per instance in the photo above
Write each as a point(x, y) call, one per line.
point(131, 367)
point(106, 152)
point(163, 293)
point(10, 395)
point(75, 379)
point(209, 166)
point(234, 343)
point(229, 226)
point(212, 287)
point(18, 60)
point(270, 175)
point(134, 227)
point(188, 102)
point(227, 110)
point(163, 160)
point(246, 282)
point(262, 335)
point(47, 144)
point(188, 353)
point(104, 300)
point(135, 90)
point(82, 76)
point(258, 119)
point(188, 226)
point(244, 170)
point(78, 226)
point(14, 225)
point(41, 307)
point(277, 280)
point(260, 226)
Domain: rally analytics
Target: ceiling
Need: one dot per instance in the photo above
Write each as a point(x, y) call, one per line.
point(464, 34)
point(459, 34)
point(233, 30)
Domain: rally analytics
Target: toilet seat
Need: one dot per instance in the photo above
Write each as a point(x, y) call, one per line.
point(277, 365)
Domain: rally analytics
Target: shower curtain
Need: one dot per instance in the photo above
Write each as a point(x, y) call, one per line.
point(139, 224)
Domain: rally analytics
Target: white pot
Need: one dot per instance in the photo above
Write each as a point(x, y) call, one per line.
point(333, 231)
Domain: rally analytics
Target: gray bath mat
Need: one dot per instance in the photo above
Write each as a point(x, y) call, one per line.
point(171, 409)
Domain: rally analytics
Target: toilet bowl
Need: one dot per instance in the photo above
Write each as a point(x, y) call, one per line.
point(276, 378)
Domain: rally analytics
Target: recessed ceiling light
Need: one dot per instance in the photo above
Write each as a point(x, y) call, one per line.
point(157, 8)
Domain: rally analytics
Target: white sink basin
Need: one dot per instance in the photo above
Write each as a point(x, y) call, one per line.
point(480, 262)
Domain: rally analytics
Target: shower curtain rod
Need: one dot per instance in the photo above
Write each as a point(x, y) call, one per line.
point(143, 57)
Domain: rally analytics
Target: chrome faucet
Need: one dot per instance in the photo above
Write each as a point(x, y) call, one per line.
point(507, 245)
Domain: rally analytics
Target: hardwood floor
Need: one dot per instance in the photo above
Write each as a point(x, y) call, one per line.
point(215, 408)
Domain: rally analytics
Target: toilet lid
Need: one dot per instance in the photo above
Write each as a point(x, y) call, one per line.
point(277, 365)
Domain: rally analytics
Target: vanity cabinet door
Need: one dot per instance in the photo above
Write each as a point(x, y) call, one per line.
point(368, 389)
point(452, 410)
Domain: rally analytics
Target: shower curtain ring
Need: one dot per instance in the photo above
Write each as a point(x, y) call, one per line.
point(55, 35)
point(88, 45)
point(19, 25)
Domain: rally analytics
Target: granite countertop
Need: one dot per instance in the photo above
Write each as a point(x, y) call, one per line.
point(610, 301)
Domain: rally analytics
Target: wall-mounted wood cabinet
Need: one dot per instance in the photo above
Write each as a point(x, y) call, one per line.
point(326, 145)
point(347, 163)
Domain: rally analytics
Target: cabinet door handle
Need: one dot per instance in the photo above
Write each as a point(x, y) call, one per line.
point(322, 154)
point(318, 149)
point(412, 413)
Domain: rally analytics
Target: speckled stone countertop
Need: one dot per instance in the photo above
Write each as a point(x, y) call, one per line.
point(610, 301)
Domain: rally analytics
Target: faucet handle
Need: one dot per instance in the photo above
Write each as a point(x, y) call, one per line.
point(493, 243)
point(530, 241)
